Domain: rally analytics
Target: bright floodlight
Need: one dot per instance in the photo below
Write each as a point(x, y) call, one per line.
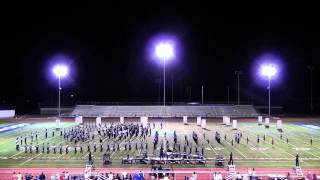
point(164, 50)
point(268, 70)
point(60, 70)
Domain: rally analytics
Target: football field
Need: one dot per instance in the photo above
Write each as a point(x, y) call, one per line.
point(252, 154)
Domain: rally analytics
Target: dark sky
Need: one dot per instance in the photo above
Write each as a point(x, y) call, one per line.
point(107, 47)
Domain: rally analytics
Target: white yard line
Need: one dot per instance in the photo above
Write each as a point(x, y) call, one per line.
point(260, 150)
point(30, 159)
point(303, 141)
point(85, 155)
point(59, 156)
point(240, 152)
point(209, 143)
point(16, 154)
point(255, 147)
point(136, 139)
point(119, 145)
point(213, 149)
point(274, 146)
point(230, 146)
point(21, 151)
point(296, 146)
point(308, 144)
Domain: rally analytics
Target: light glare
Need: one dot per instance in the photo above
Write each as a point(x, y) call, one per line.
point(60, 70)
point(164, 50)
point(268, 70)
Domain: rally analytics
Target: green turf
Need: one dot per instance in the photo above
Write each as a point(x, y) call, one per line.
point(263, 154)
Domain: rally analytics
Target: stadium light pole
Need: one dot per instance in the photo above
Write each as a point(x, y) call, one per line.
point(164, 51)
point(269, 71)
point(202, 94)
point(60, 71)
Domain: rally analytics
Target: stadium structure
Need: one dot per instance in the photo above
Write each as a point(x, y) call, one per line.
point(203, 141)
point(211, 111)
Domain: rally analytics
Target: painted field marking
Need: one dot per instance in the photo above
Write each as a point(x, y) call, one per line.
point(84, 157)
point(209, 143)
point(296, 147)
point(289, 126)
point(275, 146)
point(301, 149)
point(260, 150)
point(213, 149)
point(119, 145)
point(30, 159)
point(59, 156)
point(122, 148)
point(139, 140)
point(307, 144)
point(239, 152)
point(16, 154)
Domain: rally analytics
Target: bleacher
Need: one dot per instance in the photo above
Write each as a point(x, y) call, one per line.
point(235, 111)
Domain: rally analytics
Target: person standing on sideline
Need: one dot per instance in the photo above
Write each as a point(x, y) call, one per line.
point(297, 160)
point(231, 159)
point(194, 176)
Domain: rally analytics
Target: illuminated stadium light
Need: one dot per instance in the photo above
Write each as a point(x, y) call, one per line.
point(268, 70)
point(164, 50)
point(268, 66)
point(60, 71)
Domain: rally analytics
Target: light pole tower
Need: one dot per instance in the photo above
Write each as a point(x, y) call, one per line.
point(269, 71)
point(60, 71)
point(202, 94)
point(164, 51)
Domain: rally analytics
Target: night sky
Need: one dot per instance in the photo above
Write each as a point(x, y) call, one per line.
point(105, 46)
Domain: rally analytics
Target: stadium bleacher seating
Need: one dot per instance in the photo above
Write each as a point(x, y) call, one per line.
point(165, 111)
